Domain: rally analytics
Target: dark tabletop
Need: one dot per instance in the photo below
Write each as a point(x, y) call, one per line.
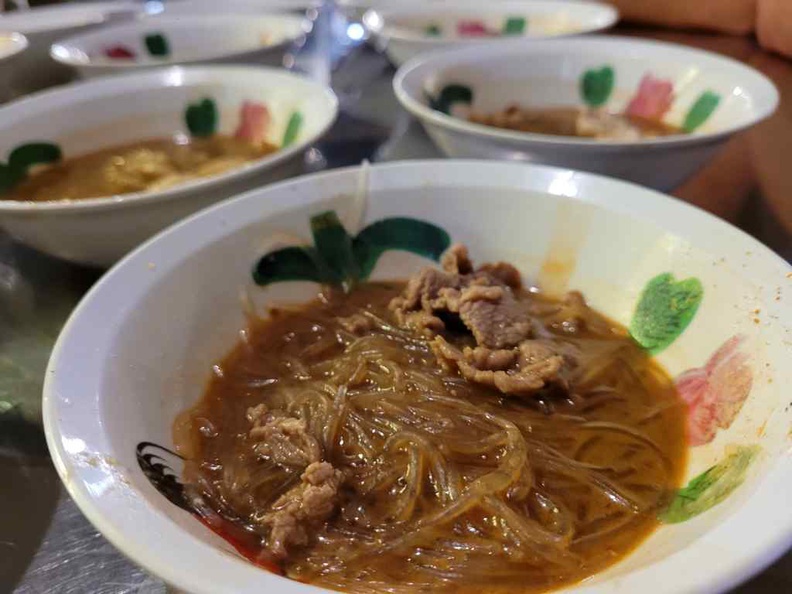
point(45, 543)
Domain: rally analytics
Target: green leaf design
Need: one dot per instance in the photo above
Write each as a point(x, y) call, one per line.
point(701, 111)
point(451, 94)
point(664, 311)
point(33, 153)
point(433, 30)
point(8, 177)
point(201, 118)
point(399, 233)
point(334, 246)
point(711, 486)
point(157, 44)
point(291, 263)
point(23, 158)
point(338, 259)
point(514, 26)
point(292, 128)
point(596, 86)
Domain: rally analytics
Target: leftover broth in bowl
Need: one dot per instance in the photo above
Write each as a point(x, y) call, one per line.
point(457, 432)
point(142, 166)
point(575, 121)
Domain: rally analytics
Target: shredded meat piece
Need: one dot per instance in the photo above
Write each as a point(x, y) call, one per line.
point(358, 324)
point(284, 441)
point(520, 372)
point(483, 301)
point(302, 508)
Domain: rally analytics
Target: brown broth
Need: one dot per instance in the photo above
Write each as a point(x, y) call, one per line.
point(147, 165)
point(620, 393)
point(563, 121)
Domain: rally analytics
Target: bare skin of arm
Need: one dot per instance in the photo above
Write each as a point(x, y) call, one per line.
point(729, 16)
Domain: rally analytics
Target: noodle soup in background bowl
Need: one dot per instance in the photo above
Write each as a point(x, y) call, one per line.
point(698, 100)
point(204, 38)
point(80, 179)
point(709, 302)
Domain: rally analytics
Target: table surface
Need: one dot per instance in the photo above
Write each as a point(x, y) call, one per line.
point(46, 545)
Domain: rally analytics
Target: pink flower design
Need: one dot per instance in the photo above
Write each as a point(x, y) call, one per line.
point(254, 119)
point(472, 29)
point(119, 52)
point(716, 392)
point(653, 99)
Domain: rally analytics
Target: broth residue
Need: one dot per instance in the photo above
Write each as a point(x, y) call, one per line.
point(148, 165)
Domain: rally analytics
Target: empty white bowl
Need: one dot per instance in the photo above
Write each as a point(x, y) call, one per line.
point(42, 26)
point(140, 348)
point(261, 38)
point(407, 30)
point(553, 73)
point(88, 116)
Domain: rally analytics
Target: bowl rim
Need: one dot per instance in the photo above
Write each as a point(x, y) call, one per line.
point(376, 19)
point(154, 79)
point(95, 13)
point(64, 50)
point(764, 522)
point(432, 62)
point(19, 43)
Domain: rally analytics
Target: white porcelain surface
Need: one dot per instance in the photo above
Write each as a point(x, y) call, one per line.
point(229, 6)
point(140, 347)
point(87, 116)
point(259, 39)
point(400, 30)
point(44, 25)
point(547, 74)
point(11, 46)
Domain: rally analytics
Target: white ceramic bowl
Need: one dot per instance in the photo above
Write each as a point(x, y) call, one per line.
point(170, 7)
point(552, 73)
point(11, 46)
point(88, 116)
point(140, 348)
point(263, 38)
point(42, 26)
point(404, 31)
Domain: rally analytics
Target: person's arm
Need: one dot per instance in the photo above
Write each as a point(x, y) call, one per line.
point(774, 25)
point(730, 16)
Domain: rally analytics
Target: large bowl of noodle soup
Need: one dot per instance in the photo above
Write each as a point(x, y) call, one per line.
point(197, 385)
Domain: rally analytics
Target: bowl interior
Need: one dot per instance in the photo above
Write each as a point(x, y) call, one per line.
point(155, 325)
point(604, 73)
point(466, 20)
point(175, 39)
point(156, 104)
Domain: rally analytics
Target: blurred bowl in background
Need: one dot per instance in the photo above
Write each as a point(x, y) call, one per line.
point(207, 38)
point(708, 99)
point(158, 104)
point(11, 46)
point(406, 31)
point(35, 69)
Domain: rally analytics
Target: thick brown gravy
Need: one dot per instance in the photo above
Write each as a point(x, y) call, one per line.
point(414, 443)
point(147, 165)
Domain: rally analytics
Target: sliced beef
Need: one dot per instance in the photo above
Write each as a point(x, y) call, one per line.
point(286, 442)
point(302, 508)
point(282, 440)
point(484, 302)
